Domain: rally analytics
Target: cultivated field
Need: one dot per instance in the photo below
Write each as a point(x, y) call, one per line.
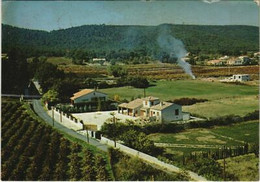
point(237, 105)
point(157, 70)
point(32, 150)
point(202, 139)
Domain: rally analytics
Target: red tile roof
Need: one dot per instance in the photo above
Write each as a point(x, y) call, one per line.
point(81, 93)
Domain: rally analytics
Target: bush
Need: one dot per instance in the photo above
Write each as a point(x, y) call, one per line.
point(188, 101)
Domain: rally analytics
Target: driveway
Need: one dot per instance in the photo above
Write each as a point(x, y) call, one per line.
point(39, 110)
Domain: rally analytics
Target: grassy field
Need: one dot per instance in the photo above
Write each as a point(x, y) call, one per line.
point(226, 106)
point(169, 90)
point(244, 168)
point(186, 141)
point(248, 131)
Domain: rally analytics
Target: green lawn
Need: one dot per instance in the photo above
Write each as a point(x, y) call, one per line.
point(248, 131)
point(169, 90)
point(226, 106)
point(243, 132)
point(193, 137)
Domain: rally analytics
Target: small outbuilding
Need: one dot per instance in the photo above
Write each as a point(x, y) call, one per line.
point(88, 95)
point(240, 78)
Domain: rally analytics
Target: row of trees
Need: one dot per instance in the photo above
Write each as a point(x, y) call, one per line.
point(33, 151)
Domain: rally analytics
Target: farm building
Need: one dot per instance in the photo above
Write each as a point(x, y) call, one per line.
point(151, 108)
point(237, 78)
point(88, 95)
point(216, 62)
point(242, 77)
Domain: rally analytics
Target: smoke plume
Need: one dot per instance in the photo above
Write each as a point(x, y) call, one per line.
point(175, 48)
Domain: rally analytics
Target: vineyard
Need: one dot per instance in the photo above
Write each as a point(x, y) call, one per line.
point(164, 70)
point(34, 151)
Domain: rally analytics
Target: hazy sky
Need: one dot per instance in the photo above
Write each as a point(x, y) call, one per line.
point(53, 15)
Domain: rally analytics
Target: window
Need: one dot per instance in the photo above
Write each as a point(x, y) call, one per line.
point(151, 103)
point(157, 113)
point(176, 112)
point(146, 103)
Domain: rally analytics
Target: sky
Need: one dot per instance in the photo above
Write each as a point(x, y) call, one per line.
point(54, 15)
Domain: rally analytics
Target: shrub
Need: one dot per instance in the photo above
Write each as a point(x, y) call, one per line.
point(188, 101)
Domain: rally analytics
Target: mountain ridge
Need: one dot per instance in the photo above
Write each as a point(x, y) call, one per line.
point(196, 38)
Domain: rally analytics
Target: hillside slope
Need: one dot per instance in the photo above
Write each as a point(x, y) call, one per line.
point(206, 39)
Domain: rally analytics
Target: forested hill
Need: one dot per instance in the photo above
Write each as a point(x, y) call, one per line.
point(106, 38)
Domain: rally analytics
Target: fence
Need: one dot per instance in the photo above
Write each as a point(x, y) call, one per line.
point(149, 159)
point(66, 119)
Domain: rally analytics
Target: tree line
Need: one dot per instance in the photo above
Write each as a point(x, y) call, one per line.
point(129, 42)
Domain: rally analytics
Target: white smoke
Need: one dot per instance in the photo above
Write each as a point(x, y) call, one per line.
point(175, 48)
point(210, 1)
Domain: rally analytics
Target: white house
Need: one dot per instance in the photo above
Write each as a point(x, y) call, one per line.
point(241, 77)
point(151, 108)
point(166, 112)
point(88, 95)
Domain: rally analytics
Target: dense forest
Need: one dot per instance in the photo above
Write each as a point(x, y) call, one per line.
point(111, 40)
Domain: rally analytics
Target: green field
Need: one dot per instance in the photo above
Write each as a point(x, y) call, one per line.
point(238, 133)
point(169, 90)
point(244, 168)
point(233, 135)
point(226, 106)
point(248, 131)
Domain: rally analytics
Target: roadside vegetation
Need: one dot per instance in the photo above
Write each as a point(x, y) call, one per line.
point(128, 168)
point(243, 168)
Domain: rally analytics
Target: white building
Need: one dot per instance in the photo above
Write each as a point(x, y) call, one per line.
point(241, 77)
point(88, 95)
point(151, 108)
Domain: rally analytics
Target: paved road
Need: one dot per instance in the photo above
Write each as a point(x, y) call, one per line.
point(42, 113)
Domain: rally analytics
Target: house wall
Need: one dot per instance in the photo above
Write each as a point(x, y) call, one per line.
point(241, 77)
point(149, 103)
point(168, 114)
point(88, 97)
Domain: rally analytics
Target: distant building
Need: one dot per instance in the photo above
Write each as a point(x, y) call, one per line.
point(241, 60)
point(237, 78)
point(224, 57)
point(88, 95)
point(242, 77)
point(153, 109)
point(216, 62)
point(235, 62)
point(98, 59)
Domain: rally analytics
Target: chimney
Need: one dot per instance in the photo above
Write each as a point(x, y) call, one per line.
point(161, 104)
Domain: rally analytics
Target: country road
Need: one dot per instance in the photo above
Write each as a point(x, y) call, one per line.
point(39, 110)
